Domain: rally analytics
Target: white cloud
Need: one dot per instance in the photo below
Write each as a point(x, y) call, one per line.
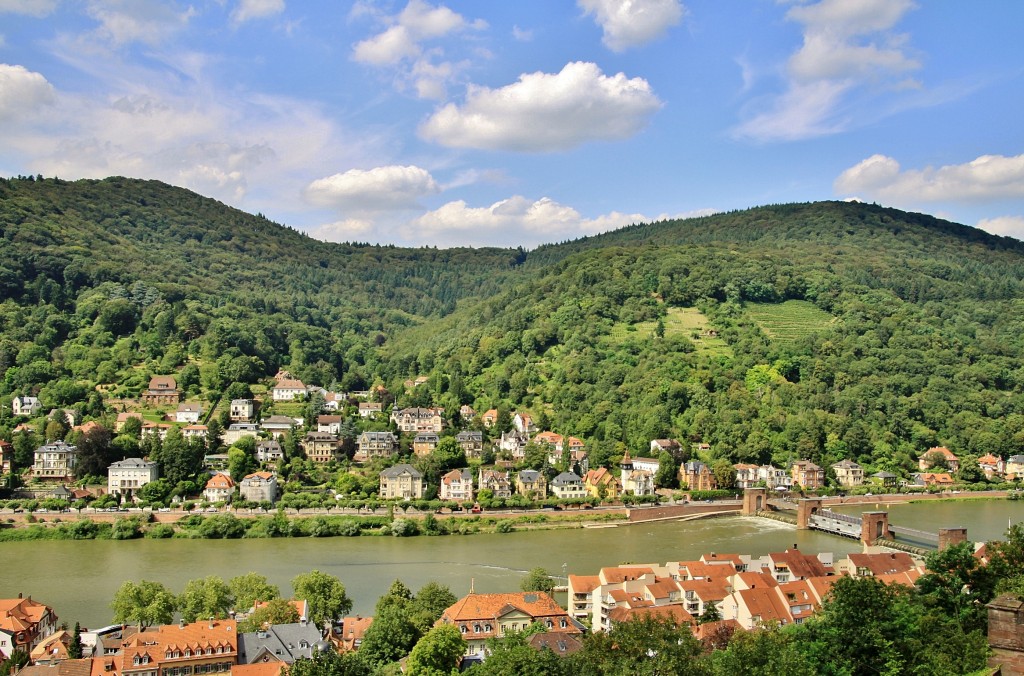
point(22, 92)
point(515, 221)
point(546, 112)
point(1008, 226)
point(989, 177)
point(632, 23)
point(256, 9)
point(37, 8)
point(401, 45)
point(522, 34)
point(387, 48)
point(348, 230)
point(148, 21)
point(849, 55)
point(379, 189)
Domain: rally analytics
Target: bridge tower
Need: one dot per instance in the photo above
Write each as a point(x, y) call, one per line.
point(951, 536)
point(754, 500)
point(805, 509)
point(874, 526)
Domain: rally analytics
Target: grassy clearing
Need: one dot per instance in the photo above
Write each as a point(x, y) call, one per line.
point(688, 322)
point(789, 321)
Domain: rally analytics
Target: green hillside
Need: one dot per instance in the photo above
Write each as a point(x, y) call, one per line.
point(822, 330)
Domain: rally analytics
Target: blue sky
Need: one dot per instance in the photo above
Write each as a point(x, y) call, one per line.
point(526, 121)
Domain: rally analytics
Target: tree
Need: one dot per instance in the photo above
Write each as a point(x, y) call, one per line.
point(959, 584)
point(240, 463)
point(667, 475)
point(390, 637)
point(330, 663)
point(205, 597)
point(277, 611)
point(18, 659)
point(437, 653)
point(249, 588)
point(144, 603)
point(325, 594)
point(725, 473)
point(94, 452)
point(538, 579)
point(156, 491)
point(75, 647)
point(762, 653)
point(449, 454)
point(513, 655)
point(433, 599)
point(642, 646)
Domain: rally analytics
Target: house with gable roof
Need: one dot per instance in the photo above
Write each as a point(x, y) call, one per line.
point(457, 485)
point(188, 413)
point(55, 461)
point(208, 647)
point(848, 473)
point(287, 388)
point(808, 475)
point(472, 442)
point(27, 406)
point(219, 488)
point(697, 476)
point(482, 616)
point(162, 391)
point(280, 643)
point(126, 477)
point(375, 445)
point(24, 623)
point(601, 483)
point(532, 484)
point(495, 481)
point(402, 481)
point(568, 485)
point(924, 462)
point(424, 443)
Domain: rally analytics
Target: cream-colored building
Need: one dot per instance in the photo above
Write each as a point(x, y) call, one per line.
point(402, 481)
point(126, 477)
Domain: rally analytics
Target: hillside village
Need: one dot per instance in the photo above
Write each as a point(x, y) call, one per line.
point(259, 451)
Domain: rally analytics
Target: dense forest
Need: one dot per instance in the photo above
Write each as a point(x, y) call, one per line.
point(823, 331)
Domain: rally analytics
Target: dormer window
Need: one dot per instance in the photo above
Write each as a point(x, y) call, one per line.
point(463, 628)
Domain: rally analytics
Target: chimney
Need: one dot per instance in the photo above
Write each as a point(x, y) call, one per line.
point(181, 623)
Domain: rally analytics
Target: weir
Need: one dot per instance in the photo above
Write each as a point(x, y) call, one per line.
point(871, 528)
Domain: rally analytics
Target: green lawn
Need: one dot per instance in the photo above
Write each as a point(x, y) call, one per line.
point(688, 322)
point(789, 321)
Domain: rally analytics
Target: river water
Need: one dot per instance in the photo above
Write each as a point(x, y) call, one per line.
point(78, 578)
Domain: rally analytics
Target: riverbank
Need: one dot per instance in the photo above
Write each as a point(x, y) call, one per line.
point(383, 521)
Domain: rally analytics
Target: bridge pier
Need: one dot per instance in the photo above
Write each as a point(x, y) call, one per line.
point(951, 536)
point(874, 526)
point(754, 500)
point(805, 509)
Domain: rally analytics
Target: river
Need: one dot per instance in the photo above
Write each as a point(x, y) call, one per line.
point(78, 578)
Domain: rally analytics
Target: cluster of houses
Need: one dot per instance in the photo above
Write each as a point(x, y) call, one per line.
point(215, 646)
point(782, 588)
point(56, 461)
point(734, 591)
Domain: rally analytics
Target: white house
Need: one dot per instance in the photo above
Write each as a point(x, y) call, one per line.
point(188, 413)
point(25, 406)
point(126, 477)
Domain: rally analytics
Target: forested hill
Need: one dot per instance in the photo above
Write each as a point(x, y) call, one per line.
point(80, 234)
point(823, 330)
